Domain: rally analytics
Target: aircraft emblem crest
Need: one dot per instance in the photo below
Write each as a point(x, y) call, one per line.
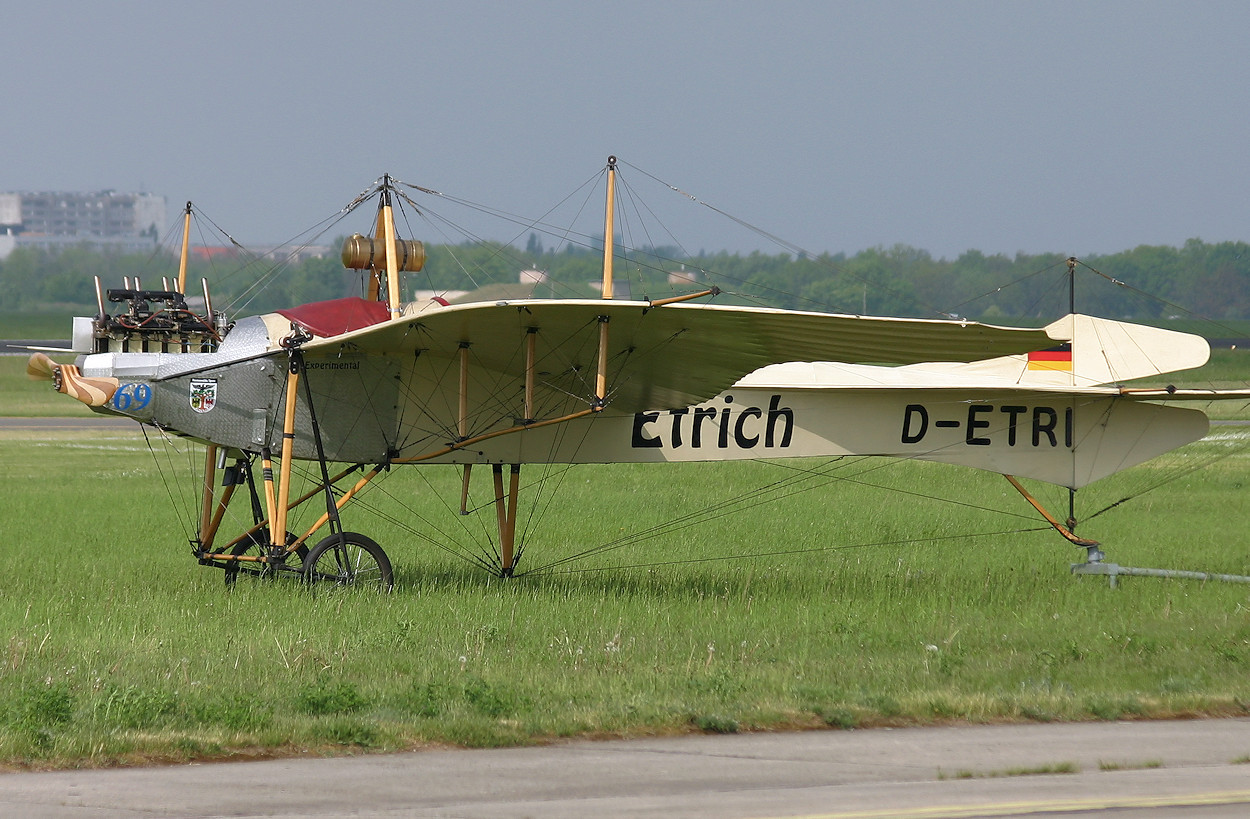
point(203, 394)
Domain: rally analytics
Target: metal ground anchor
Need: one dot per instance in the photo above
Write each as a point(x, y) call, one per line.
point(1094, 565)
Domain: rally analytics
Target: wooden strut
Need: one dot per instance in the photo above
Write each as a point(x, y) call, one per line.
point(531, 347)
point(608, 243)
point(477, 439)
point(712, 291)
point(506, 506)
point(505, 514)
point(225, 500)
point(509, 552)
point(601, 372)
point(277, 532)
point(462, 425)
point(340, 502)
point(392, 263)
point(501, 513)
point(207, 537)
point(206, 503)
point(1059, 527)
point(271, 501)
point(531, 337)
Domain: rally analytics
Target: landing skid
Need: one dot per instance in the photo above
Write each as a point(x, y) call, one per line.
point(1094, 554)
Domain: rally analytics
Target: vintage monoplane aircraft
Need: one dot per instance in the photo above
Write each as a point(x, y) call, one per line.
point(373, 383)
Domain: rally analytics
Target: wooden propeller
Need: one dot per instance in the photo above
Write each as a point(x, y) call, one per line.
point(65, 378)
point(41, 368)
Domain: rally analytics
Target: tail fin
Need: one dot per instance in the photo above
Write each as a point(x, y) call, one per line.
point(1089, 351)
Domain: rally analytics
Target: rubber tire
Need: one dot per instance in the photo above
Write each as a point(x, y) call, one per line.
point(371, 567)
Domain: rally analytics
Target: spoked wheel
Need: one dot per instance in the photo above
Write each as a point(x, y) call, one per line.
point(258, 543)
point(349, 559)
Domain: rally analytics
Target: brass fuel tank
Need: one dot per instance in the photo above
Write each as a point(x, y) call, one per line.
point(363, 252)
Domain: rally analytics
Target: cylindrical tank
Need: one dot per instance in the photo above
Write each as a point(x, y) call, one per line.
point(362, 252)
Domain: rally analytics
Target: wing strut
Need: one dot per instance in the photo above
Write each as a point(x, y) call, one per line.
point(462, 425)
point(277, 533)
point(505, 512)
point(210, 480)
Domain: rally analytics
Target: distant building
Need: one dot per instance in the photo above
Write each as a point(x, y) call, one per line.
point(125, 221)
point(295, 255)
point(683, 276)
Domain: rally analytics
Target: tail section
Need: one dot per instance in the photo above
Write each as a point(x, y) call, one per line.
point(1110, 352)
point(1089, 352)
point(1057, 414)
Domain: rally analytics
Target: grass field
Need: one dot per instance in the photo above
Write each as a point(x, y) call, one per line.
point(50, 325)
point(22, 397)
point(852, 598)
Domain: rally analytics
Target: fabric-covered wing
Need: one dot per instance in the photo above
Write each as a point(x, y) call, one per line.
point(669, 356)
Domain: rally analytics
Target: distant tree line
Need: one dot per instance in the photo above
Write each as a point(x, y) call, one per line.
point(1146, 283)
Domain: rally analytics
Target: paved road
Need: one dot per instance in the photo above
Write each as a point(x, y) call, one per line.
point(1149, 769)
point(83, 422)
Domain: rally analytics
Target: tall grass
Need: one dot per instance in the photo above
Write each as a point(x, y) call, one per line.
point(854, 602)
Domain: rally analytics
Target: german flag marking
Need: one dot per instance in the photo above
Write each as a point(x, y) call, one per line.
point(1052, 358)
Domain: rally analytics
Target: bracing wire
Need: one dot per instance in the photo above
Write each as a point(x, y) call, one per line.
point(803, 551)
point(800, 480)
point(168, 473)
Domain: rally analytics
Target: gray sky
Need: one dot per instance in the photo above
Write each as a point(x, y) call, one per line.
point(1059, 126)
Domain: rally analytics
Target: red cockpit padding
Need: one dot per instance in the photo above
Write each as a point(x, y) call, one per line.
point(330, 318)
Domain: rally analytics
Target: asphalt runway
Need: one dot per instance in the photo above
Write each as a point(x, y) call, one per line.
point(1129, 770)
point(77, 423)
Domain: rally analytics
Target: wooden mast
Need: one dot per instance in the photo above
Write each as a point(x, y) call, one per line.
point(384, 241)
point(392, 262)
point(601, 371)
point(186, 241)
point(608, 229)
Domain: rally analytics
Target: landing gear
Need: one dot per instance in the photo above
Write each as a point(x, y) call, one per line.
point(349, 559)
point(257, 544)
point(344, 558)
